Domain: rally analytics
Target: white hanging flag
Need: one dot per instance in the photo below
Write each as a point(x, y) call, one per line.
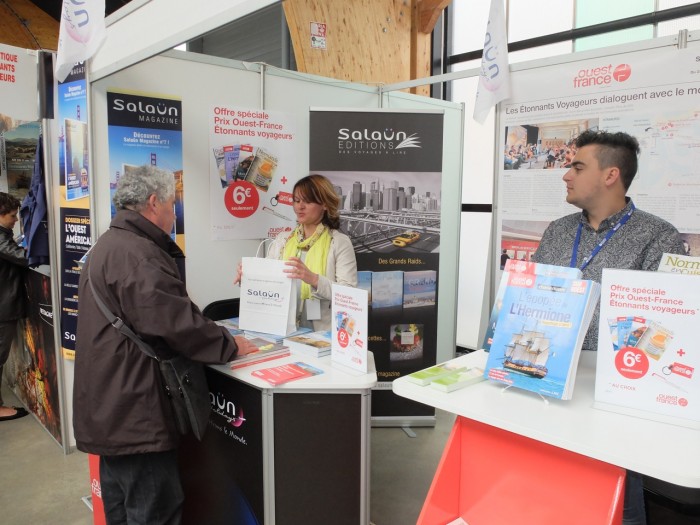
point(81, 34)
point(494, 78)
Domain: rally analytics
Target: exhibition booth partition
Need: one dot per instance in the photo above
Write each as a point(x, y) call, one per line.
point(237, 136)
point(394, 159)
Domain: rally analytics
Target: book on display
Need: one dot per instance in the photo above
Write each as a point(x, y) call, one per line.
point(278, 375)
point(515, 266)
point(313, 344)
point(539, 332)
point(680, 264)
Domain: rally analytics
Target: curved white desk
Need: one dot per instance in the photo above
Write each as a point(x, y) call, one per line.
point(661, 450)
point(293, 454)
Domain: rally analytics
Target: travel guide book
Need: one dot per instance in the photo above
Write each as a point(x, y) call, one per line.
point(266, 352)
point(513, 265)
point(681, 264)
point(278, 375)
point(647, 345)
point(313, 344)
point(539, 332)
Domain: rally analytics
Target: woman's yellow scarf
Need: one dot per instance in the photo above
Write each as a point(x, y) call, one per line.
point(316, 247)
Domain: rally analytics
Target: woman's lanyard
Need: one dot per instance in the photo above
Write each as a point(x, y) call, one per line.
point(600, 245)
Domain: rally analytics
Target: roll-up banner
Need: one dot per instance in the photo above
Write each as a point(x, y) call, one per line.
point(74, 189)
point(386, 166)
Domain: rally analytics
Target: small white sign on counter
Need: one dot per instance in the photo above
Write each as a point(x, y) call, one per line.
point(349, 328)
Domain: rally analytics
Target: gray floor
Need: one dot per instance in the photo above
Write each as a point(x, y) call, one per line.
point(42, 485)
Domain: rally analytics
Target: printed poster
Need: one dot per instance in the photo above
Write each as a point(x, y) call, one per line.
point(147, 130)
point(648, 358)
point(386, 167)
point(651, 94)
point(74, 191)
point(250, 157)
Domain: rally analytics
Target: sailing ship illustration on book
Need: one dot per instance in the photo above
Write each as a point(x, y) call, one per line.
point(527, 353)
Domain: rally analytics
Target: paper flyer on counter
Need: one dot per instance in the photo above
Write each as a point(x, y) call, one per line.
point(349, 312)
point(647, 347)
point(251, 155)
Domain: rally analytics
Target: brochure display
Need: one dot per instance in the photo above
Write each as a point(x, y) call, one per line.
point(539, 332)
point(647, 349)
point(349, 327)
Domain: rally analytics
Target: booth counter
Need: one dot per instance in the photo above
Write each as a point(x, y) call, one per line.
point(297, 453)
point(574, 432)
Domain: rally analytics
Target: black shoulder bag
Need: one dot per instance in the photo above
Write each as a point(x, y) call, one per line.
point(184, 380)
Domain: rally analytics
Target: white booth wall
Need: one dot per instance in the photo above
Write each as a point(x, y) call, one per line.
point(201, 82)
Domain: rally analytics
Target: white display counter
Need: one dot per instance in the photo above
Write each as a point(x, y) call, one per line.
point(297, 453)
point(660, 450)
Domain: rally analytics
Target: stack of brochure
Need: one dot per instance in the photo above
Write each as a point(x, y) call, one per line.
point(459, 379)
point(541, 324)
point(313, 344)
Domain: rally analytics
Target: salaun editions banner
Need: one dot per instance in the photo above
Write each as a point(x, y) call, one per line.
point(387, 168)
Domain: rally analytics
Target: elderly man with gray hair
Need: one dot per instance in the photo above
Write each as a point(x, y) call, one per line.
point(120, 409)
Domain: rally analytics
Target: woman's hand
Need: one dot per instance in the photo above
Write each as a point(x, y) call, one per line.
point(239, 274)
point(298, 270)
point(245, 347)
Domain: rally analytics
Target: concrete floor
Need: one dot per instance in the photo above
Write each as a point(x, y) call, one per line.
point(42, 485)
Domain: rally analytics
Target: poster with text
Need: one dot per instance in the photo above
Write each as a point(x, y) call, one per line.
point(147, 130)
point(251, 154)
point(74, 191)
point(386, 166)
point(650, 94)
point(647, 352)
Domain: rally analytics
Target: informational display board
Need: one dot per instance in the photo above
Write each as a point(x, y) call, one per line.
point(651, 94)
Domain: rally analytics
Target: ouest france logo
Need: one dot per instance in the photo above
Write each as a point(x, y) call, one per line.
point(602, 75)
point(376, 142)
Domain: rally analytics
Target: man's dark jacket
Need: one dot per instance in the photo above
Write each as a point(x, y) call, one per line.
point(119, 404)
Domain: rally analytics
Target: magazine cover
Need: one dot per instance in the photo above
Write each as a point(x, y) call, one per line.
point(513, 265)
point(387, 289)
point(539, 332)
point(647, 347)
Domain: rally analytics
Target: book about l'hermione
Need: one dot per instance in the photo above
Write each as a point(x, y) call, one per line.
point(540, 329)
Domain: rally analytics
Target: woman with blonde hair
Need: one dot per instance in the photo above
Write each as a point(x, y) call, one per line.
point(316, 252)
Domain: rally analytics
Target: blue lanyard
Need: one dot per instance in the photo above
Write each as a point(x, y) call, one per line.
point(600, 245)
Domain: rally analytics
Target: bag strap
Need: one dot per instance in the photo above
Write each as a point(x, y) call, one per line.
point(119, 324)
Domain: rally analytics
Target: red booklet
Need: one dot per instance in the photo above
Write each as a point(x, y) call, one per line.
point(277, 375)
